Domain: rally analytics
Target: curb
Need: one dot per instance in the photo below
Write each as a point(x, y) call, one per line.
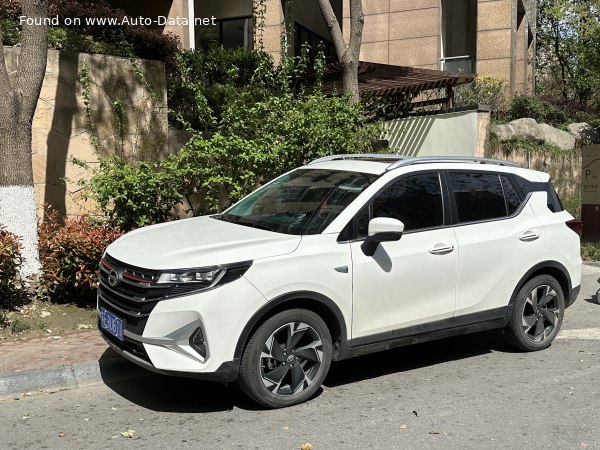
point(108, 371)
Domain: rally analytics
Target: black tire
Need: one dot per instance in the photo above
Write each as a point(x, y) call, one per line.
point(536, 314)
point(277, 374)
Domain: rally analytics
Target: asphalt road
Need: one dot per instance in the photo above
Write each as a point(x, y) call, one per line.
point(467, 392)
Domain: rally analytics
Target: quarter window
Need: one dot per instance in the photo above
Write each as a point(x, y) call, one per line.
point(513, 201)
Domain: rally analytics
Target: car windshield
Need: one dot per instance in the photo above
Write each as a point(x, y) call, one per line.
point(302, 202)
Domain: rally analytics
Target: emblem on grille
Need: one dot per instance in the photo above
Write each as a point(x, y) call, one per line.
point(113, 278)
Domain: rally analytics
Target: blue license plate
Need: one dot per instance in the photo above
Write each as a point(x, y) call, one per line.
point(111, 323)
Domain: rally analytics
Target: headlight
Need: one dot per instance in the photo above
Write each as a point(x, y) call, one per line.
point(187, 281)
point(193, 276)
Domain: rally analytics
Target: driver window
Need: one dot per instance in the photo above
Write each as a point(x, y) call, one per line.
point(416, 200)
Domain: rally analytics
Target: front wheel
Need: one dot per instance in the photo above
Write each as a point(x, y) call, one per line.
point(536, 314)
point(286, 359)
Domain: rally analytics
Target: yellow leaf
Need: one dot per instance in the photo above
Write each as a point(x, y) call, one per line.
point(307, 446)
point(128, 433)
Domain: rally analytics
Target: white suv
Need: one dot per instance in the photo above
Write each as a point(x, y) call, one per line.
point(347, 255)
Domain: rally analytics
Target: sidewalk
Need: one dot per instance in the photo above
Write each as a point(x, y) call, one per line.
point(61, 362)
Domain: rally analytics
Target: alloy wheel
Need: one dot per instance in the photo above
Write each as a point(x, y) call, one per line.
point(541, 313)
point(291, 358)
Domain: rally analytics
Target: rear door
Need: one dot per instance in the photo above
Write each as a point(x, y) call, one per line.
point(499, 238)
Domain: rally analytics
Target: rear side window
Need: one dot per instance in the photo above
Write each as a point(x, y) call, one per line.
point(478, 196)
point(513, 201)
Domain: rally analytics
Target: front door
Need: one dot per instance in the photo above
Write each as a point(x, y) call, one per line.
point(410, 281)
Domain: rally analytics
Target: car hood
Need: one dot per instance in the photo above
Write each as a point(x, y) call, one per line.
point(198, 242)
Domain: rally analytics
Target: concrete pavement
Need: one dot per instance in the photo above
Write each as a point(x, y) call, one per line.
point(61, 362)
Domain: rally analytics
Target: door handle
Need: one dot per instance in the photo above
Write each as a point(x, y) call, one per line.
point(441, 249)
point(529, 236)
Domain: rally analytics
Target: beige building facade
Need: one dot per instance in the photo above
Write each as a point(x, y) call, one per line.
point(487, 37)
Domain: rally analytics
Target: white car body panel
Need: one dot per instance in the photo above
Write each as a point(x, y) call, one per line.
point(213, 310)
point(493, 259)
point(311, 269)
point(403, 284)
point(198, 242)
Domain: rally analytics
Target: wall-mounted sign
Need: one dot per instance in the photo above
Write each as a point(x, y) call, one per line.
point(590, 176)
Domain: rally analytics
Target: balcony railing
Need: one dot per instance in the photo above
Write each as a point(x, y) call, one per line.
point(465, 64)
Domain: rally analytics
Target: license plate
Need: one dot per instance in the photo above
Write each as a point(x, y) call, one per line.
point(111, 323)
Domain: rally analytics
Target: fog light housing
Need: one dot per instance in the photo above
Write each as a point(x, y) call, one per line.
point(198, 343)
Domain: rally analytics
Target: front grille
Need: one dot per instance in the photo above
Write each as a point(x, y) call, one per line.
point(133, 298)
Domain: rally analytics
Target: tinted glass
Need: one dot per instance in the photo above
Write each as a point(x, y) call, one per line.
point(554, 203)
point(416, 200)
point(478, 196)
point(513, 200)
point(301, 202)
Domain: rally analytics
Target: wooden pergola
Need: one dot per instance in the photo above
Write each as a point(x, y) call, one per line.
point(381, 80)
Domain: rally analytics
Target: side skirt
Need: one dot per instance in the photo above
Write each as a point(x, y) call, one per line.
point(455, 326)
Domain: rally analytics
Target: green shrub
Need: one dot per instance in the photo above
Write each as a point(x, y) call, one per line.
point(484, 90)
point(590, 251)
point(69, 40)
point(132, 196)
point(12, 291)
point(535, 108)
point(10, 32)
point(70, 252)
point(205, 80)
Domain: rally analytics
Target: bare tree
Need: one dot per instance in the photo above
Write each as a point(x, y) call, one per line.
point(347, 54)
point(19, 95)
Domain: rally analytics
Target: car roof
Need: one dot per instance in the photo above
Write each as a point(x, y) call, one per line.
point(382, 163)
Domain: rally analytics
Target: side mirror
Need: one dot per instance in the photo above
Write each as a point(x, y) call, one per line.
point(381, 229)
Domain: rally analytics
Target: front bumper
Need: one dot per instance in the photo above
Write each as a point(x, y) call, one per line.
point(159, 336)
point(225, 373)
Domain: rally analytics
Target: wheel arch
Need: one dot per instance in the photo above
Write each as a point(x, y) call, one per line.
point(552, 268)
point(312, 301)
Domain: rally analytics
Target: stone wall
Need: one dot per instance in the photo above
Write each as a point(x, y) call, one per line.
point(126, 116)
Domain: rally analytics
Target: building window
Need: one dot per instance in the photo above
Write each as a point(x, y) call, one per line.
point(459, 35)
point(227, 33)
point(303, 35)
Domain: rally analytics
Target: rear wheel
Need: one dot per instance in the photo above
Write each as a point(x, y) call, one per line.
point(286, 359)
point(537, 314)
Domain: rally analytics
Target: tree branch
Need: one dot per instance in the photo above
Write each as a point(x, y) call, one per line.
point(357, 21)
point(334, 27)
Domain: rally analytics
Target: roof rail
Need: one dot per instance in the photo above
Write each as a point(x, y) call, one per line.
point(403, 160)
point(448, 159)
point(391, 157)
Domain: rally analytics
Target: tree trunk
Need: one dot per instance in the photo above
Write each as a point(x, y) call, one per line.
point(350, 79)
point(18, 100)
point(348, 55)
